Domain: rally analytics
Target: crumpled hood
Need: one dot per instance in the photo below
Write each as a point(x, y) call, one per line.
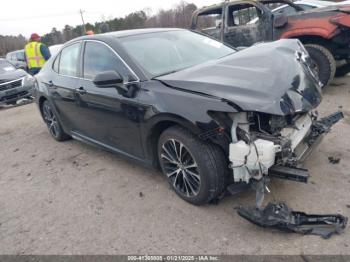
point(12, 75)
point(266, 78)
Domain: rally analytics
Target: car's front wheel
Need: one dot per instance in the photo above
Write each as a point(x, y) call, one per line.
point(52, 122)
point(195, 169)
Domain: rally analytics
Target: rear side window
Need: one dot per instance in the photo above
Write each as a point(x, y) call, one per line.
point(242, 14)
point(210, 19)
point(68, 64)
point(99, 58)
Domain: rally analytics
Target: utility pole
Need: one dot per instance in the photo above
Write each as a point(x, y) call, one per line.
point(82, 19)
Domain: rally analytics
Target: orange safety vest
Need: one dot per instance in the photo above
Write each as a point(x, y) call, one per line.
point(34, 57)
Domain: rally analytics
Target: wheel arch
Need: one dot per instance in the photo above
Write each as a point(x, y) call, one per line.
point(315, 39)
point(161, 124)
point(41, 101)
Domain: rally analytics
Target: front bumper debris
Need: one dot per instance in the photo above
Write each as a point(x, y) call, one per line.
point(280, 216)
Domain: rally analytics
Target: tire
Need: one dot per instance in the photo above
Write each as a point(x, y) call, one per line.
point(324, 62)
point(202, 158)
point(343, 70)
point(52, 122)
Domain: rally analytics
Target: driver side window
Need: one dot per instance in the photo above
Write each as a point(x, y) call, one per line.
point(242, 14)
point(99, 58)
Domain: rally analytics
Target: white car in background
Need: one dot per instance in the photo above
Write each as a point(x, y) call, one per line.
point(54, 49)
point(304, 4)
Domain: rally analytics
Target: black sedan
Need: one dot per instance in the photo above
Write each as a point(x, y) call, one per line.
point(206, 114)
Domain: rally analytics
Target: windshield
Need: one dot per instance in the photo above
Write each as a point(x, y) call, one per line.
point(165, 52)
point(6, 67)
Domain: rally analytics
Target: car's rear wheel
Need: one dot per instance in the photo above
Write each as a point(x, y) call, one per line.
point(323, 62)
point(195, 169)
point(52, 122)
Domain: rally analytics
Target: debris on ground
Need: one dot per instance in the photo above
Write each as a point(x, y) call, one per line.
point(141, 195)
point(334, 160)
point(280, 216)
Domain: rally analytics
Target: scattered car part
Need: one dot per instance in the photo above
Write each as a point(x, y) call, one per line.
point(334, 160)
point(280, 216)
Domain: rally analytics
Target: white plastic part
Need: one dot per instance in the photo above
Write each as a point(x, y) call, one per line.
point(246, 159)
point(297, 133)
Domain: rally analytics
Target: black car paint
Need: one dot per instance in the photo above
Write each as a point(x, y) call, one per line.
point(130, 124)
point(231, 78)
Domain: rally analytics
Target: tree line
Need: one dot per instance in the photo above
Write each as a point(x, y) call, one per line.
point(179, 16)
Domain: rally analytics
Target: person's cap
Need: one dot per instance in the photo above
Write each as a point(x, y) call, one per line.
point(34, 36)
point(89, 32)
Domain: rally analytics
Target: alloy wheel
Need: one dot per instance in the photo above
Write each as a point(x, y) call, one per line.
point(51, 120)
point(180, 168)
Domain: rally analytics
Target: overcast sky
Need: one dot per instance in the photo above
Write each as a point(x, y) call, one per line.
point(40, 16)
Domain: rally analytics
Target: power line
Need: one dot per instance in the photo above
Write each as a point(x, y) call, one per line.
point(82, 19)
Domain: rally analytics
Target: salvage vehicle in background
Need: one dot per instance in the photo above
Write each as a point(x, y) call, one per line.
point(325, 32)
point(208, 115)
point(17, 58)
point(15, 83)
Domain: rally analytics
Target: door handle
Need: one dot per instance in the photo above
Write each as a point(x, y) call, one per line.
point(50, 84)
point(80, 90)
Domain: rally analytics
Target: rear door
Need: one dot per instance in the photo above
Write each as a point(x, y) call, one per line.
point(106, 115)
point(247, 23)
point(63, 83)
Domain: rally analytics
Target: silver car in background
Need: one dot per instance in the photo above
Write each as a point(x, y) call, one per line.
point(15, 83)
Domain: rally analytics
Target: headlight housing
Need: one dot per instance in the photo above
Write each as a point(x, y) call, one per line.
point(28, 81)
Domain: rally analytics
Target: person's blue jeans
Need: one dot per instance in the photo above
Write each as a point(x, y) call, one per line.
point(34, 70)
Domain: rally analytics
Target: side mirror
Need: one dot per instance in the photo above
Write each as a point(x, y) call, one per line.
point(280, 21)
point(108, 79)
point(112, 79)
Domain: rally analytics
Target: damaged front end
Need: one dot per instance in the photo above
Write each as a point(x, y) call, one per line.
point(264, 144)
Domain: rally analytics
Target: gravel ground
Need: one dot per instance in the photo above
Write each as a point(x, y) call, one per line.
point(71, 198)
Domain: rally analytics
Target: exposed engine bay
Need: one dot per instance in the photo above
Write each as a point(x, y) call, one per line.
point(263, 142)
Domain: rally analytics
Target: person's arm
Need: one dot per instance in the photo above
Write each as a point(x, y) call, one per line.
point(45, 51)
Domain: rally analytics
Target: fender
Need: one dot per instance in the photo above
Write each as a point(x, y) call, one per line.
point(312, 31)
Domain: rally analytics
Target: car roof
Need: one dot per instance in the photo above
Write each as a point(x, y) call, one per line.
point(125, 33)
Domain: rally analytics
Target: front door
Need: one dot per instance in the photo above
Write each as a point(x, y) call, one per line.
point(246, 24)
point(107, 116)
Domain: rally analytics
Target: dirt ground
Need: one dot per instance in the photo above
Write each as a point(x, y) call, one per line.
point(71, 198)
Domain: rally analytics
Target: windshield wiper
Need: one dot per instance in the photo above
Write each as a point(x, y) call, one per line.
point(167, 73)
